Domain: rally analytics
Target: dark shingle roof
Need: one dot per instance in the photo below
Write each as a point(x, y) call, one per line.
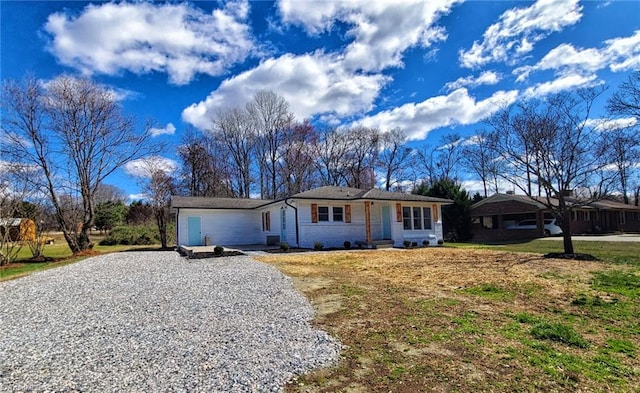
point(216, 203)
point(347, 193)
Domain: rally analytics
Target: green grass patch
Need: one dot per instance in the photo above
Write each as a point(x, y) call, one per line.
point(490, 291)
point(627, 253)
point(559, 333)
point(622, 346)
point(617, 281)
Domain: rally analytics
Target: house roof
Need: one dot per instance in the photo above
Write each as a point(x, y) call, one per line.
point(350, 194)
point(539, 202)
point(216, 203)
point(322, 193)
point(10, 222)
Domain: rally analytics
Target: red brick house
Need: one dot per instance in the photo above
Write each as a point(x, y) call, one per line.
point(492, 217)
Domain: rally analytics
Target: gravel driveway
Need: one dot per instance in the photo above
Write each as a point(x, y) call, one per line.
point(152, 321)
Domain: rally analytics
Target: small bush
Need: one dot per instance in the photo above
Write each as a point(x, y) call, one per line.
point(440, 242)
point(284, 246)
point(559, 333)
point(425, 243)
point(131, 235)
point(347, 244)
point(318, 246)
point(406, 243)
point(218, 251)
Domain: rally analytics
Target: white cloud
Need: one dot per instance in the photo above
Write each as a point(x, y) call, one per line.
point(562, 83)
point(144, 167)
point(457, 107)
point(169, 129)
point(143, 37)
point(486, 78)
point(332, 84)
point(138, 197)
point(518, 29)
point(612, 124)
point(312, 84)
point(624, 52)
point(619, 54)
point(381, 30)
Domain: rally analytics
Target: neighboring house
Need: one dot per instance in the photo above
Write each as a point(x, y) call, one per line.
point(492, 217)
point(18, 229)
point(330, 215)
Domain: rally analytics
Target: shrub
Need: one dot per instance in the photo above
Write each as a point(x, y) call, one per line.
point(440, 242)
point(318, 246)
point(131, 235)
point(218, 251)
point(425, 243)
point(347, 244)
point(284, 246)
point(406, 243)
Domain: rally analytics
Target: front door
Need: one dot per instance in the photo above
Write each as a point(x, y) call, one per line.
point(386, 222)
point(194, 229)
point(283, 225)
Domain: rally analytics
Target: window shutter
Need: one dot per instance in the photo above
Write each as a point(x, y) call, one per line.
point(264, 228)
point(268, 221)
point(347, 213)
point(435, 212)
point(314, 212)
point(398, 212)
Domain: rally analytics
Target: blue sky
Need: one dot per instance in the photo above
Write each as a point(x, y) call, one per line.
point(429, 67)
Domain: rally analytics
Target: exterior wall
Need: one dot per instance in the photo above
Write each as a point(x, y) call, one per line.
point(276, 224)
point(331, 234)
point(223, 227)
point(399, 234)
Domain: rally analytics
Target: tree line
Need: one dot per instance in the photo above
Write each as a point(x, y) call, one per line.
point(64, 138)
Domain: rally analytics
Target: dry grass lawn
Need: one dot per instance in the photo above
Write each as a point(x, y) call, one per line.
point(445, 319)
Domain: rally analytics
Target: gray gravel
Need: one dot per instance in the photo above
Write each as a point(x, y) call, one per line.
point(152, 321)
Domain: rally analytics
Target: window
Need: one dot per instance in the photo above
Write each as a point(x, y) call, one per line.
point(406, 217)
point(417, 218)
point(426, 217)
point(323, 213)
point(623, 218)
point(337, 214)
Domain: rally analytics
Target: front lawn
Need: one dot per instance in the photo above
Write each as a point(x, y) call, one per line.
point(470, 319)
point(57, 254)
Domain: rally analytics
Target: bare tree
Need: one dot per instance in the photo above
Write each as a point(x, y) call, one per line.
point(297, 163)
point(74, 132)
point(362, 156)
point(626, 100)
point(395, 156)
point(624, 142)
point(232, 128)
point(158, 186)
point(331, 158)
point(553, 142)
point(205, 169)
point(479, 158)
point(622, 151)
point(12, 192)
point(109, 193)
point(441, 162)
point(271, 119)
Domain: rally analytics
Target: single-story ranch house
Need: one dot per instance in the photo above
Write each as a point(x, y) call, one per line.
point(492, 216)
point(329, 215)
